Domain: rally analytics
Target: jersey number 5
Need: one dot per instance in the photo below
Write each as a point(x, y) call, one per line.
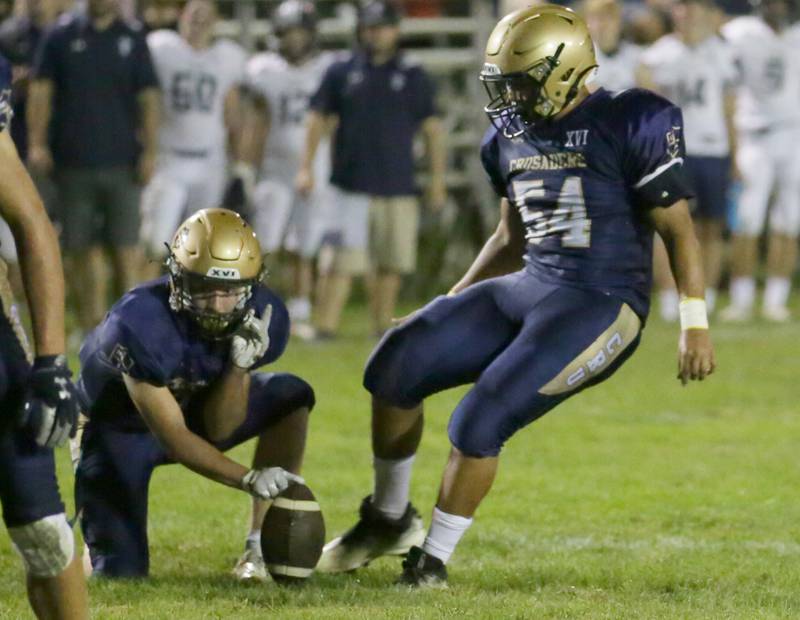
point(568, 219)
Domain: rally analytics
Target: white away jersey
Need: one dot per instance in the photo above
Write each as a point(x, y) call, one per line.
point(194, 85)
point(769, 66)
point(695, 78)
point(287, 90)
point(618, 70)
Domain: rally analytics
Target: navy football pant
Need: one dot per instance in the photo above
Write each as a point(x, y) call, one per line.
point(115, 468)
point(28, 485)
point(525, 344)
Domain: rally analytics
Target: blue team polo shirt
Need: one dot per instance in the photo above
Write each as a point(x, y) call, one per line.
point(380, 108)
point(96, 77)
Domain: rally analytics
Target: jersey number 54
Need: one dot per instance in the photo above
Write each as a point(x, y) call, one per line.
point(567, 220)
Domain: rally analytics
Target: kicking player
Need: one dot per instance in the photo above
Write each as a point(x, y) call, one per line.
point(43, 393)
point(585, 177)
point(281, 85)
point(199, 79)
point(168, 377)
point(768, 124)
point(695, 69)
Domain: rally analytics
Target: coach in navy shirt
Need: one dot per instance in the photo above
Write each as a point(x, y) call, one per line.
point(380, 100)
point(94, 102)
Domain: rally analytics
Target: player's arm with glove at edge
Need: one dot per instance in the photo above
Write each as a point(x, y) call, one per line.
point(225, 409)
point(50, 410)
point(695, 351)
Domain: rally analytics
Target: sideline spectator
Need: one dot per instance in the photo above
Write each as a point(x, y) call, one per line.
point(94, 75)
point(380, 101)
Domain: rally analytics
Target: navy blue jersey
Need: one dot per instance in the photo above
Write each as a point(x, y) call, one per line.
point(5, 93)
point(582, 185)
point(143, 338)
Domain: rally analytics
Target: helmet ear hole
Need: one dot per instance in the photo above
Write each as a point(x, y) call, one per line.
point(567, 75)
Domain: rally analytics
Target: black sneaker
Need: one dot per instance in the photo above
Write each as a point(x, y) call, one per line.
point(373, 536)
point(423, 570)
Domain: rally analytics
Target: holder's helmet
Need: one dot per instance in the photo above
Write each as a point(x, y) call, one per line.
point(214, 261)
point(536, 61)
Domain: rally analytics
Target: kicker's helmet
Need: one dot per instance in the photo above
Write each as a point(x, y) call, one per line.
point(214, 253)
point(536, 61)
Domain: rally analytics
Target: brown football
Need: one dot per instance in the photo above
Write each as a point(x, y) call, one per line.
point(292, 535)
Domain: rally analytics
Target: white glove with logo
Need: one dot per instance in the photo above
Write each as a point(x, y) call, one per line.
point(269, 482)
point(251, 339)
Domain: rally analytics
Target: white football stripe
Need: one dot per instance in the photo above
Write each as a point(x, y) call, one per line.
point(306, 505)
point(289, 571)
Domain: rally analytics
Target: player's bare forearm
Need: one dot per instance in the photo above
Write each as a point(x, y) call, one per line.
point(225, 406)
point(502, 252)
point(254, 130)
point(150, 118)
point(38, 111)
point(164, 418)
point(233, 113)
point(674, 225)
point(316, 125)
point(696, 358)
point(37, 245)
point(437, 158)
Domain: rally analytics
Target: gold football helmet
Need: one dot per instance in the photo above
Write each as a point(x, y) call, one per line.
point(537, 59)
point(214, 254)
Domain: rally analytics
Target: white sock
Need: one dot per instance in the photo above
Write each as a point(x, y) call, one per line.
point(711, 299)
point(299, 309)
point(392, 480)
point(253, 541)
point(445, 532)
point(743, 292)
point(668, 304)
point(776, 292)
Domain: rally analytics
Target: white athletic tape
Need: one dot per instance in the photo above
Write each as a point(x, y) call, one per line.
point(291, 504)
point(47, 546)
point(289, 571)
point(693, 313)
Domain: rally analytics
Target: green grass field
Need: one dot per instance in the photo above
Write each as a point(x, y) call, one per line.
point(637, 499)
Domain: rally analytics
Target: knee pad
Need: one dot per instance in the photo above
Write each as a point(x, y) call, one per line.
point(387, 375)
point(301, 394)
point(475, 427)
point(47, 546)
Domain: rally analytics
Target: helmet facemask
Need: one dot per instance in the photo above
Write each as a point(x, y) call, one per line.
point(520, 101)
point(194, 293)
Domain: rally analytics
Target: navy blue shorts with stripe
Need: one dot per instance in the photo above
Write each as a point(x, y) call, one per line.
point(28, 485)
point(526, 345)
point(114, 471)
point(710, 179)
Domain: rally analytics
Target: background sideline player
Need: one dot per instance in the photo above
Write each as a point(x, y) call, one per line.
point(200, 100)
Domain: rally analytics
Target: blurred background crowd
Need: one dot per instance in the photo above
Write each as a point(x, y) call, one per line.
point(348, 134)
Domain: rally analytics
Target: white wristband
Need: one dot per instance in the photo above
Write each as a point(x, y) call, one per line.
point(693, 313)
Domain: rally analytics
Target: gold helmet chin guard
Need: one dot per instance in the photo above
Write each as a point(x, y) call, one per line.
point(537, 59)
point(213, 252)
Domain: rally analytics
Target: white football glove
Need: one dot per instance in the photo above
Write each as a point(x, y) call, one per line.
point(269, 482)
point(251, 339)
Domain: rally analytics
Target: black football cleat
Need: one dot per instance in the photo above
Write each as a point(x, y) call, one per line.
point(373, 536)
point(423, 570)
